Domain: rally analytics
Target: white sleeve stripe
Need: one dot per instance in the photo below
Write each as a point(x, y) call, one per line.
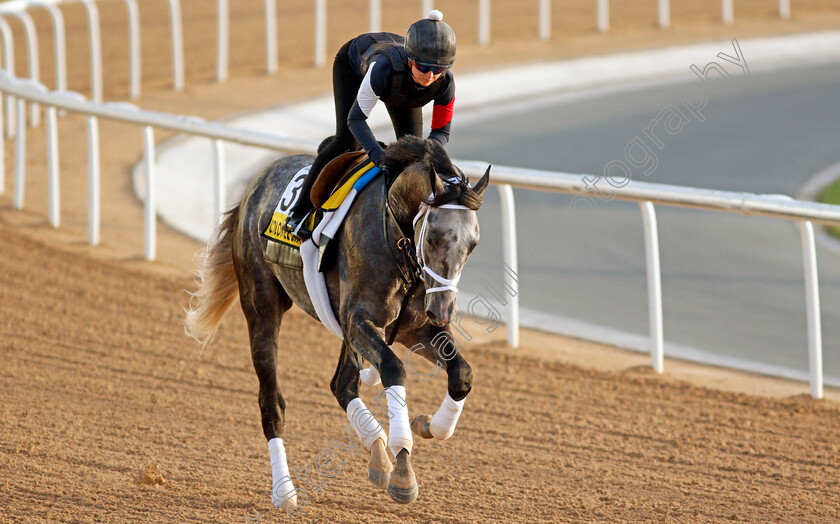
point(367, 98)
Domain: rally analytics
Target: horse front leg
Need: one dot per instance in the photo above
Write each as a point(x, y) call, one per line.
point(368, 340)
point(437, 345)
point(345, 388)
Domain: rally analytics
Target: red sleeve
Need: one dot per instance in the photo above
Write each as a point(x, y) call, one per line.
point(442, 115)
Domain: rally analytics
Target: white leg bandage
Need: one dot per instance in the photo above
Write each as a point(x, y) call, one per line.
point(443, 423)
point(283, 493)
point(399, 432)
point(370, 376)
point(365, 424)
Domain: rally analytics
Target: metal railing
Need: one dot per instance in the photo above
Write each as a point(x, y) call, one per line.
point(19, 9)
point(646, 194)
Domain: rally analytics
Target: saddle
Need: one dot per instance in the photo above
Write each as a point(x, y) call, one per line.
point(338, 181)
point(333, 176)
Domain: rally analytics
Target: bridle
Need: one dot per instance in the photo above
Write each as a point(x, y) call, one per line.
point(413, 256)
point(425, 211)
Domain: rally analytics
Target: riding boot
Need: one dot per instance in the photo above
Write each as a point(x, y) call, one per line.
point(297, 214)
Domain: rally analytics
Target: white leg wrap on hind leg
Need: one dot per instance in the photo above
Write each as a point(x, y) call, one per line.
point(399, 432)
point(443, 423)
point(283, 494)
point(364, 423)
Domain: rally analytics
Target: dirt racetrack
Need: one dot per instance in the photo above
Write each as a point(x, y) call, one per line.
point(99, 387)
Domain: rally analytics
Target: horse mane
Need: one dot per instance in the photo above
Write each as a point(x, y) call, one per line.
point(410, 150)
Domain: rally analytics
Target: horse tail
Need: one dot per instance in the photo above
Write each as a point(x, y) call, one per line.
point(217, 283)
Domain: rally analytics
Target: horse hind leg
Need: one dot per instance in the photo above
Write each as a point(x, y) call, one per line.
point(264, 302)
point(345, 388)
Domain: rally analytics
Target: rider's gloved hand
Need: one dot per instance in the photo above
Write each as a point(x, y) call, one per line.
point(376, 156)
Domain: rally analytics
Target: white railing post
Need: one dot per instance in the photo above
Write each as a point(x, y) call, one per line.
point(271, 36)
point(511, 259)
point(220, 178)
point(545, 19)
point(9, 63)
point(812, 299)
point(483, 22)
point(728, 11)
point(320, 33)
point(784, 9)
point(32, 54)
point(664, 14)
point(149, 208)
point(603, 16)
point(54, 199)
point(177, 45)
point(426, 6)
point(95, 49)
point(59, 43)
point(94, 189)
point(134, 47)
point(654, 285)
point(222, 40)
point(20, 155)
point(375, 16)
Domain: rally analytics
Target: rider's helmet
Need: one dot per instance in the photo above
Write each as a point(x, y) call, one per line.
point(431, 42)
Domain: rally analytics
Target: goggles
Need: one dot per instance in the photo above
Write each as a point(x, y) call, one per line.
point(425, 69)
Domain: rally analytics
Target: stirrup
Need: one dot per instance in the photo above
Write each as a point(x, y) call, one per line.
point(292, 223)
point(297, 226)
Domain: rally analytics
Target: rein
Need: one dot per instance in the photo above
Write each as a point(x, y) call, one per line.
point(405, 245)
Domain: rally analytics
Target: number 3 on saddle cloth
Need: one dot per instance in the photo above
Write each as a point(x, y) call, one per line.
point(332, 195)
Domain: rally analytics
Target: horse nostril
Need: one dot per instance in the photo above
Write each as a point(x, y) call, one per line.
point(431, 315)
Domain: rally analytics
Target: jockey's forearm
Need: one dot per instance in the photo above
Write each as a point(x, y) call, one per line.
point(361, 130)
point(441, 136)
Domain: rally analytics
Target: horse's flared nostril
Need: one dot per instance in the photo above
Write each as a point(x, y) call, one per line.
point(435, 320)
point(432, 316)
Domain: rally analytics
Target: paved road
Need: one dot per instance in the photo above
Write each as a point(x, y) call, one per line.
point(732, 285)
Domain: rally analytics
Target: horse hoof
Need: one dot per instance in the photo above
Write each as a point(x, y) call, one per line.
point(288, 502)
point(403, 484)
point(379, 468)
point(403, 495)
point(420, 426)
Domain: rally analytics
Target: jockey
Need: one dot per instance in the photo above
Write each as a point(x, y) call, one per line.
point(405, 74)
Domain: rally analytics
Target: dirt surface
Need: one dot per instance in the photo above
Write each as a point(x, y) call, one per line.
point(110, 414)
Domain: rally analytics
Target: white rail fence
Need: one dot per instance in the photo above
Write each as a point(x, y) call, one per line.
point(646, 194)
point(18, 9)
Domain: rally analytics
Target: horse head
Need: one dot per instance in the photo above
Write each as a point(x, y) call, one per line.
point(442, 207)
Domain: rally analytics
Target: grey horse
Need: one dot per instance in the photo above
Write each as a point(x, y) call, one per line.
point(423, 206)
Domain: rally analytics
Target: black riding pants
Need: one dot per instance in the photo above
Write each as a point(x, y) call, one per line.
point(346, 83)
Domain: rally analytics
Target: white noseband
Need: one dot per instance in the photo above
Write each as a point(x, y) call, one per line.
point(448, 284)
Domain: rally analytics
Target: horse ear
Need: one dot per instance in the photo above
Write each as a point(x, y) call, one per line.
point(483, 182)
point(435, 181)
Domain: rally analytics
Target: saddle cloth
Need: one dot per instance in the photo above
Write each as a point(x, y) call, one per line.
point(286, 249)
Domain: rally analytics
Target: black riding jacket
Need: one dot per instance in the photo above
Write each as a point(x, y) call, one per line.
point(382, 63)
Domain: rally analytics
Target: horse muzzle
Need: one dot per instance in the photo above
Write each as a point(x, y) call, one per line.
point(440, 307)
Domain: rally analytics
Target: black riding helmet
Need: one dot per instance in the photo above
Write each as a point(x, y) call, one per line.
point(431, 42)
